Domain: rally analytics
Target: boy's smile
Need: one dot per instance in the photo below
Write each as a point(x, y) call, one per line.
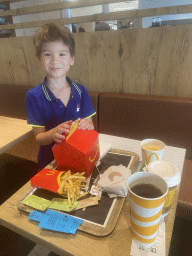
point(56, 59)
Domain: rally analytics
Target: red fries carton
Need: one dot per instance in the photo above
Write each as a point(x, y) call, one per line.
point(79, 152)
point(47, 179)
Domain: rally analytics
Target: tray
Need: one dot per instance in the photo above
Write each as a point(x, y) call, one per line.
point(110, 208)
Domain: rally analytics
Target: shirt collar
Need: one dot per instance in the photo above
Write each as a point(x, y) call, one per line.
point(48, 93)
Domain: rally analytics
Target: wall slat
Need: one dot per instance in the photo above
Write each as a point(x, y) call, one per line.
point(106, 16)
point(10, 1)
point(56, 7)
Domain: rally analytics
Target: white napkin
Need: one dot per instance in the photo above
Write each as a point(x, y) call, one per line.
point(114, 181)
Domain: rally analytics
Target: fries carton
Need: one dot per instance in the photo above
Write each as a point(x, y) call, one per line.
point(47, 179)
point(79, 152)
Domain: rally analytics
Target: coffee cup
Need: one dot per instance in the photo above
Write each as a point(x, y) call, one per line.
point(152, 150)
point(170, 174)
point(147, 192)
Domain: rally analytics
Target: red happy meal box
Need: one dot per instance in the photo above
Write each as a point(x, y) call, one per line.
point(79, 152)
point(47, 179)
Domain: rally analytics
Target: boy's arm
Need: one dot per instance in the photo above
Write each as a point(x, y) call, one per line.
point(42, 137)
point(56, 134)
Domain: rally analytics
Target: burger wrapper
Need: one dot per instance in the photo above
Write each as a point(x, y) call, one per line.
point(114, 181)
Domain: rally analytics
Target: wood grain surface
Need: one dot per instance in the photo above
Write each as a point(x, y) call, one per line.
point(117, 243)
point(12, 131)
point(27, 148)
point(154, 61)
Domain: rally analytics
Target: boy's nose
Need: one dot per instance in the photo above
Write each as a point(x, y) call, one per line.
point(54, 58)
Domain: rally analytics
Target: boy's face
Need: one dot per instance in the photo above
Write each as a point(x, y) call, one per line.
point(56, 59)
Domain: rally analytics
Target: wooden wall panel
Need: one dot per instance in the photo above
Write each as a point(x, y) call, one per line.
point(147, 61)
point(97, 64)
point(19, 64)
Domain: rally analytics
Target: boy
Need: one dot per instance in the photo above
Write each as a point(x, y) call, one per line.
point(54, 104)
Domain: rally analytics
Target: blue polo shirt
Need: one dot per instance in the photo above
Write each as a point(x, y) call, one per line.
point(45, 110)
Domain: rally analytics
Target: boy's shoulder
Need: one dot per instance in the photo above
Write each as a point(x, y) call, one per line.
point(37, 90)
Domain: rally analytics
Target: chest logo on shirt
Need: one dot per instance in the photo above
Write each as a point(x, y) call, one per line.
point(78, 108)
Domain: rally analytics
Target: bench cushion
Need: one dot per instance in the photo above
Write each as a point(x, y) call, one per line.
point(139, 117)
point(184, 205)
point(12, 101)
point(94, 96)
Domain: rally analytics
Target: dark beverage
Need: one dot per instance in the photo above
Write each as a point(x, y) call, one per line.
point(147, 190)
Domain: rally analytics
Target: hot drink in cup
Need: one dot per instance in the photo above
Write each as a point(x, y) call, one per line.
point(152, 150)
point(147, 192)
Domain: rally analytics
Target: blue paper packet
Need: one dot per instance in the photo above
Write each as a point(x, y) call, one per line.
point(56, 221)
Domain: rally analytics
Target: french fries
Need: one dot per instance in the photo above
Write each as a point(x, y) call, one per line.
point(70, 186)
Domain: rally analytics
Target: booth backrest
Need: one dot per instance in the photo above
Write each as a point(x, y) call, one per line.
point(143, 116)
point(12, 102)
point(127, 115)
point(94, 99)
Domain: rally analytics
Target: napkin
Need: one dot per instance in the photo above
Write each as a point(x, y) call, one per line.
point(114, 181)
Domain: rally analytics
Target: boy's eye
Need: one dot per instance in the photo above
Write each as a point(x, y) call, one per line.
point(62, 54)
point(47, 54)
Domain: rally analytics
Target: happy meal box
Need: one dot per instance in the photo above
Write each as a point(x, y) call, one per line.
point(79, 152)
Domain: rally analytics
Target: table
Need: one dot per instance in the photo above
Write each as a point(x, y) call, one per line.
point(12, 131)
point(117, 243)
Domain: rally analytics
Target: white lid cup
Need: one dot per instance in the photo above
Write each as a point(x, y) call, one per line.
point(170, 174)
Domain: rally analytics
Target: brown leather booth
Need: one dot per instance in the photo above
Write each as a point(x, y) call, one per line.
point(143, 116)
point(139, 117)
point(12, 102)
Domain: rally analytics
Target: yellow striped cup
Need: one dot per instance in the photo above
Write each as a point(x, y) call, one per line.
point(146, 212)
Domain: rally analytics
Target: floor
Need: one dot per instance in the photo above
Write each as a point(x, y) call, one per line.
point(12, 244)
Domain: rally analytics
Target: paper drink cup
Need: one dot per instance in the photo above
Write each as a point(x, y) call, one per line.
point(152, 150)
point(146, 212)
point(170, 174)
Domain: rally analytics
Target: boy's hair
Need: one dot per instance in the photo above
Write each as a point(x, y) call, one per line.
point(52, 33)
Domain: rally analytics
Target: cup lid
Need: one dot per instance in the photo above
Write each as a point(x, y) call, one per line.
point(165, 170)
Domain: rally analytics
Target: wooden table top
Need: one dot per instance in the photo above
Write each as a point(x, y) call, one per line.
point(12, 131)
point(117, 243)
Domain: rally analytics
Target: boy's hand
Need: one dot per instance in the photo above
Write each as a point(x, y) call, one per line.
point(86, 124)
point(60, 130)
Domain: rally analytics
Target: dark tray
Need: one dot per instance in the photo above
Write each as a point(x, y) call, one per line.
point(99, 220)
